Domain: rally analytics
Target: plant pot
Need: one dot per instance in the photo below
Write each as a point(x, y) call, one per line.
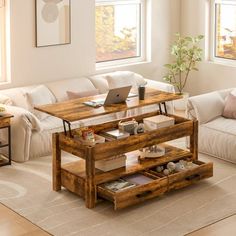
point(181, 104)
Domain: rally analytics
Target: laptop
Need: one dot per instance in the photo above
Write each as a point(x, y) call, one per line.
point(117, 95)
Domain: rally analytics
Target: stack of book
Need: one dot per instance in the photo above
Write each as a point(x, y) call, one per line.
point(114, 134)
point(111, 163)
point(127, 182)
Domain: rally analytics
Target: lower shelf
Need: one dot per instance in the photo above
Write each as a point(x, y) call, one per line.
point(156, 187)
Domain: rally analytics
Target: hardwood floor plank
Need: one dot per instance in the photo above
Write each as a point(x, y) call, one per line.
point(225, 227)
point(12, 224)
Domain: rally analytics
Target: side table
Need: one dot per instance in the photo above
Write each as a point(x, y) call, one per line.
point(5, 123)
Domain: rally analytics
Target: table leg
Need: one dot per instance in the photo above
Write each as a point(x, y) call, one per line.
point(90, 188)
point(194, 141)
point(56, 163)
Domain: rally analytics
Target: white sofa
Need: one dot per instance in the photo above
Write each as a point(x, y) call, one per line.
point(217, 135)
point(31, 137)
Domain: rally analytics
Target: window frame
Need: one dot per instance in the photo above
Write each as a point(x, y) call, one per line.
point(2, 42)
point(141, 39)
point(213, 33)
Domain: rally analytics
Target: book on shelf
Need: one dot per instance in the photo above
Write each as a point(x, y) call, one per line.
point(118, 185)
point(115, 134)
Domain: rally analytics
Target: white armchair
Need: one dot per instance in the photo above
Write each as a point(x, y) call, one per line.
point(217, 135)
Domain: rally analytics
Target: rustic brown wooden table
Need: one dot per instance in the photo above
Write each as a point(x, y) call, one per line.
point(85, 180)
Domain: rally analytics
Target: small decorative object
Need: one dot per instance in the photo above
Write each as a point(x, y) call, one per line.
point(171, 166)
point(139, 128)
point(152, 152)
point(2, 111)
point(128, 126)
point(187, 54)
point(166, 172)
point(159, 169)
point(179, 167)
point(88, 135)
point(52, 22)
point(141, 92)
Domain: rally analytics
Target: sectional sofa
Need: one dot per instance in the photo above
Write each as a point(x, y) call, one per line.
point(32, 131)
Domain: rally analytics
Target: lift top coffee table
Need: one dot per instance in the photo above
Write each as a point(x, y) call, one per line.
point(82, 178)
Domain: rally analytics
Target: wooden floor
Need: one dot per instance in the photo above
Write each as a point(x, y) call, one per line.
point(12, 224)
point(226, 227)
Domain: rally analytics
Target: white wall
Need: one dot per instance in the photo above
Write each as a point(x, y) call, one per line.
point(31, 65)
point(211, 76)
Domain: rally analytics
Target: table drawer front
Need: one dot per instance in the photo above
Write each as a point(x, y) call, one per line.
point(72, 183)
point(157, 187)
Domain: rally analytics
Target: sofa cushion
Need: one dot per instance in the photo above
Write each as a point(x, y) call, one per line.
point(230, 107)
point(40, 95)
point(101, 83)
point(74, 95)
point(207, 106)
point(59, 88)
point(218, 138)
point(124, 78)
point(5, 100)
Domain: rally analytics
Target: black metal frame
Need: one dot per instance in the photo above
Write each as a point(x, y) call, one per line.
point(7, 145)
point(160, 108)
point(65, 122)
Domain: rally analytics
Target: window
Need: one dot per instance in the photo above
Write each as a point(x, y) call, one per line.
point(2, 42)
point(119, 31)
point(225, 29)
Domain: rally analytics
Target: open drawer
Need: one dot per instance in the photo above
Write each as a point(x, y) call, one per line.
point(155, 186)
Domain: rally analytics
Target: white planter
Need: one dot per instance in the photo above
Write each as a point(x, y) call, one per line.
point(181, 104)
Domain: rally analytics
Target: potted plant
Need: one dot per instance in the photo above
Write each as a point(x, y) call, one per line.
point(187, 54)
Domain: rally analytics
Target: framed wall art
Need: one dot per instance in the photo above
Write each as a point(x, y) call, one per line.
point(53, 26)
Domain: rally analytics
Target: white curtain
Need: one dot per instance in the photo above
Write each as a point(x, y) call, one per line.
point(2, 3)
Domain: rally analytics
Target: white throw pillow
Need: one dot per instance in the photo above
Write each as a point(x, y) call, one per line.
point(40, 95)
point(5, 100)
point(124, 78)
point(207, 106)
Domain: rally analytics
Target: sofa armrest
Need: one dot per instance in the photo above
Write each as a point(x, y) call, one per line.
point(28, 118)
point(160, 85)
point(205, 107)
point(22, 125)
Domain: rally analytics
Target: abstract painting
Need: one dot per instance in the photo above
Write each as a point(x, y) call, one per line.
point(52, 22)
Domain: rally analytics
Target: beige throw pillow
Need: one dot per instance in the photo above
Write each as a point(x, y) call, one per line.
point(5, 100)
point(40, 95)
point(74, 95)
point(124, 78)
point(230, 107)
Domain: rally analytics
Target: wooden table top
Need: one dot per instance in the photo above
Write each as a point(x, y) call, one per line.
point(73, 110)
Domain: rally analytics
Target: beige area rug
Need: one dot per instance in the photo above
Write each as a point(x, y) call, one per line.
point(26, 188)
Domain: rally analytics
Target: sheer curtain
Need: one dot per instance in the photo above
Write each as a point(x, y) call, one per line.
point(2, 41)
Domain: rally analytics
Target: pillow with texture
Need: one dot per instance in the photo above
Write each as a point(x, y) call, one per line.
point(5, 100)
point(230, 107)
point(74, 95)
point(207, 106)
point(40, 95)
point(124, 78)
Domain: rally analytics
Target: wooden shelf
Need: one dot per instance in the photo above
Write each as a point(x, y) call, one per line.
point(132, 164)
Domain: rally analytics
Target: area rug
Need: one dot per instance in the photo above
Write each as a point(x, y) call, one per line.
point(26, 188)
